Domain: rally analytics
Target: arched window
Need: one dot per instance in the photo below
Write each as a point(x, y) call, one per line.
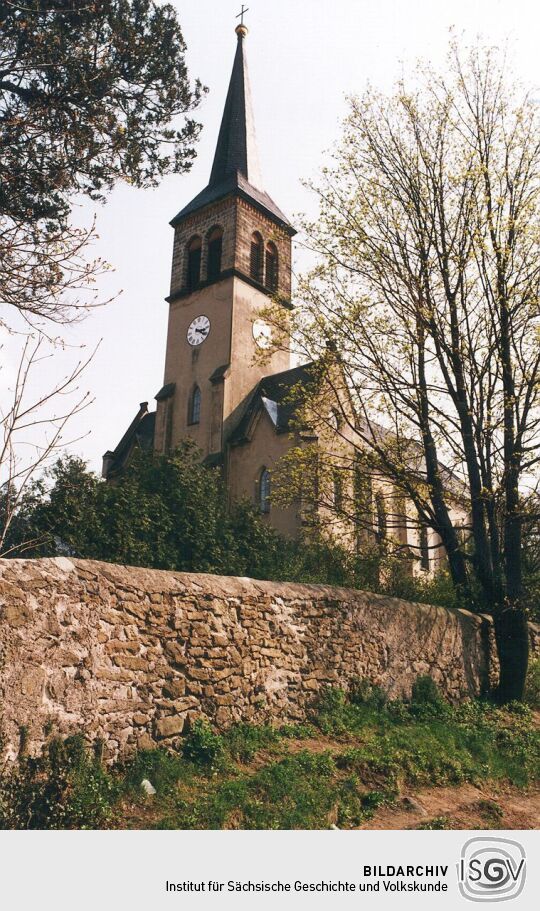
point(400, 519)
point(271, 267)
point(194, 409)
point(168, 424)
point(382, 523)
point(264, 491)
point(424, 548)
point(256, 257)
point(337, 491)
point(334, 419)
point(194, 251)
point(215, 247)
point(363, 503)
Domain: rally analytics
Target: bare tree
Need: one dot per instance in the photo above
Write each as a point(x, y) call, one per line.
point(33, 430)
point(423, 314)
point(45, 276)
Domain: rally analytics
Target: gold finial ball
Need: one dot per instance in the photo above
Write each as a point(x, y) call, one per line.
point(241, 31)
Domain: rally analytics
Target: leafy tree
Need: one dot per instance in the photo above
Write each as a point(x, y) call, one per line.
point(167, 513)
point(531, 555)
point(163, 512)
point(172, 513)
point(89, 95)
point(423, 315)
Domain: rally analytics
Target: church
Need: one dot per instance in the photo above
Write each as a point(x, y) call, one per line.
point(231, 257)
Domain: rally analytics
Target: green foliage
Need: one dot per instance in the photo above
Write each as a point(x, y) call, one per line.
point(296, 792)
point(490, 812)
point(532, 684)
point(435, 824)
point(167, 513)
point(203, 746)
point(64, 788)
point(87, 96)
point(331, 711)
point(383, 749)
point(172, 513)
point(362, 692)
point(426, 699)
point(397, 581)
point(163, 769)
point(243, 741)
point(337, 712)
point(355, 756)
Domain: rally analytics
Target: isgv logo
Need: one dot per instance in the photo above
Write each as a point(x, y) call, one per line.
point(491, 869)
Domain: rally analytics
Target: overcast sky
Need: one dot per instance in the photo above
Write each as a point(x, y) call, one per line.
point(304, 57)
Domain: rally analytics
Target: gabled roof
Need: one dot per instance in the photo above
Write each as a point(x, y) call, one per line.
point(279, 395)
point(236, 166)
point(139, 433)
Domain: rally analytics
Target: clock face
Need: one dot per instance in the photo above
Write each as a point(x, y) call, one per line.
point(198, 330)
point(262, 333)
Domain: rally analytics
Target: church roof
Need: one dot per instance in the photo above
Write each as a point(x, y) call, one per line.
point(236, 149)
point(239, 185)
point(139, 433)
point(280, 395)
point(236, 166)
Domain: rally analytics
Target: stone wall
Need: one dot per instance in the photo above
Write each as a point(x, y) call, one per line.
point(131, 655)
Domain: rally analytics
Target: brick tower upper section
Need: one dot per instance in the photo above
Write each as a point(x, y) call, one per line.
point(232, 252)
point(235, 202)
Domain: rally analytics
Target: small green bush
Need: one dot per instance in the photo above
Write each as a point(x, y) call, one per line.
point(490, 812)
point(532, 685)
point(297, 792)
point(438, 822)
point(63, 788)
point(203, 746)
point(362, 692)
point(426, 700)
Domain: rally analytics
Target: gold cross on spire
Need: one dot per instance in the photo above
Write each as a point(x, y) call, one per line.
point(241, 13)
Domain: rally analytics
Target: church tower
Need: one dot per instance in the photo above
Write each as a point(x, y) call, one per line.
point(232, 252)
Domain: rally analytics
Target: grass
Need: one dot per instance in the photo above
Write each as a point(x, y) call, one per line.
point(355, 754)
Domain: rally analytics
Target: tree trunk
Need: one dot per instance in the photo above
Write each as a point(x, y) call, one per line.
point(512, 638)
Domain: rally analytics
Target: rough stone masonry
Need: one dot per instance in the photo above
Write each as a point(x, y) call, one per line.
point(133, 655)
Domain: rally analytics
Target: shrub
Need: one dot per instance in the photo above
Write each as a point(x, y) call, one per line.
point(426, 700)
point(532, 685)
point(65, 787)
point(362, 692)
point(490, 812)
point(438, 822)
point(329, 710)
point(203, 746)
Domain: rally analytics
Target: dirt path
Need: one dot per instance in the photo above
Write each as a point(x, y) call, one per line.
point(462, 807)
